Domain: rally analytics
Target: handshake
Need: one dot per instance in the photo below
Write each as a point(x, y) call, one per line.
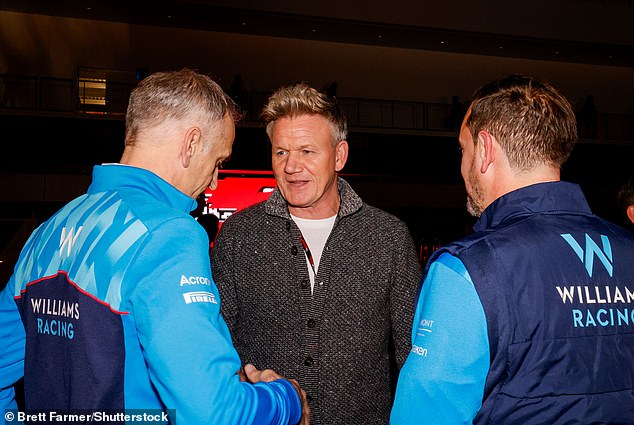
point(253, 375)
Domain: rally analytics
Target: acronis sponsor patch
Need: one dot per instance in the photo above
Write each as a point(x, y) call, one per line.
point(195, 280)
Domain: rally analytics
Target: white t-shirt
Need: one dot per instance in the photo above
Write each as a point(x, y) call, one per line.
point(315, 234)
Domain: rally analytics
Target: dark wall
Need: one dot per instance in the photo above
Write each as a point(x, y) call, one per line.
point(58, 144)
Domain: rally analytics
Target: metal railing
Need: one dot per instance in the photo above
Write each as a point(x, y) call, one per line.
point(81, 96)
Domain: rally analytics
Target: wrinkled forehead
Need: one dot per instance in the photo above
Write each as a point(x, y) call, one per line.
point(318, 123)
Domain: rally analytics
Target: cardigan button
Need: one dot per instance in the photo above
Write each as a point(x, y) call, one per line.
point(288, 225)
point(308, 361)
point(304, 283)
point(311, 323)
point(294, 250)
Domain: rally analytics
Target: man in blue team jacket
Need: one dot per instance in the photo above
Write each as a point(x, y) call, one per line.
point(529, 320)
point(112, 307)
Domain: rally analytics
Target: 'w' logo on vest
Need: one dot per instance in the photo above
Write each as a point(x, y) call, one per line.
point(592, 249)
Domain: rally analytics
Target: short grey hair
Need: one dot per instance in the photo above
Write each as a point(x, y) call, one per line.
point(175, 95)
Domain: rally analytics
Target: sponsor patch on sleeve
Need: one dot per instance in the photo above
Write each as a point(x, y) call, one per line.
point(199, 297)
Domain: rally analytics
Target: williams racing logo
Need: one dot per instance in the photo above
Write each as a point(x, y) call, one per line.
point(602, 304)
point(592, 250)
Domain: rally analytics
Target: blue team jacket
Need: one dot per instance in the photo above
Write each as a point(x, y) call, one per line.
point(557, 287)
point(112, 307)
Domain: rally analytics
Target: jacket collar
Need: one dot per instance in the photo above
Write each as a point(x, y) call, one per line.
point(538, 198)
point(350, 202)
point(122, 177)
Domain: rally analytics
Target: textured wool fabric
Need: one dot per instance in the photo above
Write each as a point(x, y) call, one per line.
point(335, 342)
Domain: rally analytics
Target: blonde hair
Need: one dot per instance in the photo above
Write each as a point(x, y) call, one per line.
point(299, 99)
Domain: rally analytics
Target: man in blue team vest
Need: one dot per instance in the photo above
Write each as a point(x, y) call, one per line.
point(529, 320)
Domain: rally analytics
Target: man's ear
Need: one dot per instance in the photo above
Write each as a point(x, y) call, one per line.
point(486, 150)
point(341, 155)
point(190, 142)
point(630, 213)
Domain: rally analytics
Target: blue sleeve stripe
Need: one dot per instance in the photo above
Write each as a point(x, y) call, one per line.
point(275, 397)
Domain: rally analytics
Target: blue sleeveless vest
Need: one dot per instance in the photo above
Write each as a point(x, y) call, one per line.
point(557, 287)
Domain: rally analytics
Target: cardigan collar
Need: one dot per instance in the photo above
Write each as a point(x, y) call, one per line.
point(350, 202)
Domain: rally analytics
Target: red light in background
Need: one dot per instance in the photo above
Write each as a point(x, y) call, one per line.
point(235, 193)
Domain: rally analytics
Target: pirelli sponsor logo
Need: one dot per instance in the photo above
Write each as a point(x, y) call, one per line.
point(199, 297)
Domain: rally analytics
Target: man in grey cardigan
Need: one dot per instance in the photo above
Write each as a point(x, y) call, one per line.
point(314, 283)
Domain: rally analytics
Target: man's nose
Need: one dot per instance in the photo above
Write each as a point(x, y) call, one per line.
point(293, 163)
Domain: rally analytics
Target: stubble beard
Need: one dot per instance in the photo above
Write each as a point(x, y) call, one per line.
point(475, 199)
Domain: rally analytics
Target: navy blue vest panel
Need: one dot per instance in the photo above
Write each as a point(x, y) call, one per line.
point(557, 287)
point(74, 348)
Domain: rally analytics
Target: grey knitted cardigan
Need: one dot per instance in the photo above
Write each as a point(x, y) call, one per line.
point(334, 342)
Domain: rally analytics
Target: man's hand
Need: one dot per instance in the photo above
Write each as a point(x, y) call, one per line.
point(254, 375)
point(243, 377)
